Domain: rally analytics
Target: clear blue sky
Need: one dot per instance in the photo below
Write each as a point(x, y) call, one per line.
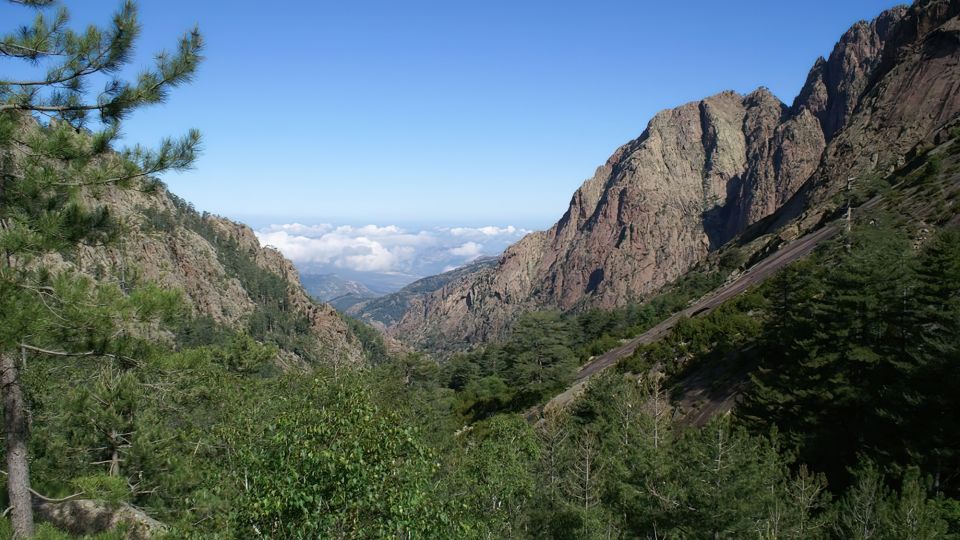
point(453, 112)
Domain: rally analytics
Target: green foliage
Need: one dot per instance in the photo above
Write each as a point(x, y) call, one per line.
point(374, 349)
point(599, 330)
point(112, 489)
point(541, 355)
point(485, 397)
point(218, 450)
point(855, 359)
point(871, 510)
point(928, 170)
point(53, 172)
point(334, 465)
point(541, 360)
point(274, 321)
point(536, 361)
point(72, 57)
point(855, 351)
point(713, 338)
point(732, 258)
point(45, 531)
point(493, 476)
point(199, 331)
point(615, 465)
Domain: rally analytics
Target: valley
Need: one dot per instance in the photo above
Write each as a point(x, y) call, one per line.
point(744, 324)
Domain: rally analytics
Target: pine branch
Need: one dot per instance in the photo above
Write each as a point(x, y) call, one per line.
point(44, 498)
point(7, 49)
point(85, 354)
point(33, 3)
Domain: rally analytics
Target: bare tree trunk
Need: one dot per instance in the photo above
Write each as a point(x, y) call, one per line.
point(115, 456)
point(16, 434)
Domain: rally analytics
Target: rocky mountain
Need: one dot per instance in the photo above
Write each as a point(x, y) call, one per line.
point(387, 310)
point(228, 279)
point(326, 287)
point(344, 302)
point(702, 173)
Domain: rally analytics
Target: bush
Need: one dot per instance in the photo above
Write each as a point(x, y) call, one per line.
point(334, 465)
point(732, 259)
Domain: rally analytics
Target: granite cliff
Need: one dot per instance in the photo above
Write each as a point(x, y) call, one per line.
point(701, 174)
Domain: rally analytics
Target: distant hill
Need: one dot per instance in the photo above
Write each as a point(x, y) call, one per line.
point(326, 287)
point(387, 310)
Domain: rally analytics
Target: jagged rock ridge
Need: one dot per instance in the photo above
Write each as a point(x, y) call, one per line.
point(703, 172)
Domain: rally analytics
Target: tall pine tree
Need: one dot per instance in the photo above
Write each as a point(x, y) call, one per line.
point(56, 138)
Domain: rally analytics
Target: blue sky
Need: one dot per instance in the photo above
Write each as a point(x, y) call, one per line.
point(449, 113)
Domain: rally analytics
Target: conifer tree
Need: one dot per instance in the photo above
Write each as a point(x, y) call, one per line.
point(931, 406)
point(777, 394)
point(542, 359)
point(56, 157)
point(833, 356)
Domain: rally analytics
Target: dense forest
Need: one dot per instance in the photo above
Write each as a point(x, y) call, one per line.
point(114, 392)
point(412, 448)
point(846, 430)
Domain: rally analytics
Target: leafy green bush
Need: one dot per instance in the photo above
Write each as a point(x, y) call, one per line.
point(334, 465)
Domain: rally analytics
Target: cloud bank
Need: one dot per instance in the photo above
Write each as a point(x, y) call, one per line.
point(327, 248)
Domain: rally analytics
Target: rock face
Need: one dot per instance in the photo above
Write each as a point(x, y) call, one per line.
point(913, 93)
point(84, 516)
point(703, 172)
point(168, 243)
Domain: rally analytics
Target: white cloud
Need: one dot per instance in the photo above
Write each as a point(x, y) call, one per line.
point(385, 249)
point(370, 230)
point(472, 250)
point(509, 230)
point(299, 228)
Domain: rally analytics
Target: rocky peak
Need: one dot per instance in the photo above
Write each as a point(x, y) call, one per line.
point(835, 85)
point(913, 93)
point(703, 172)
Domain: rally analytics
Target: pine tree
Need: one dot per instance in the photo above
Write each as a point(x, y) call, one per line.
point(861, 511)
point(931, 405)
point(913, 514)
point(723, 478)
point(552, 435)
point(832, 358)
point(541, 357)
point(584, 476)
point(776, 395)
point(870, 509)
point(56, 157)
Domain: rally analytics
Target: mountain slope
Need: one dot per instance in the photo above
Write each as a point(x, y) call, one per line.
point(227, 278)
point(704, 172)
point(326, 287)
point(387, 310)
